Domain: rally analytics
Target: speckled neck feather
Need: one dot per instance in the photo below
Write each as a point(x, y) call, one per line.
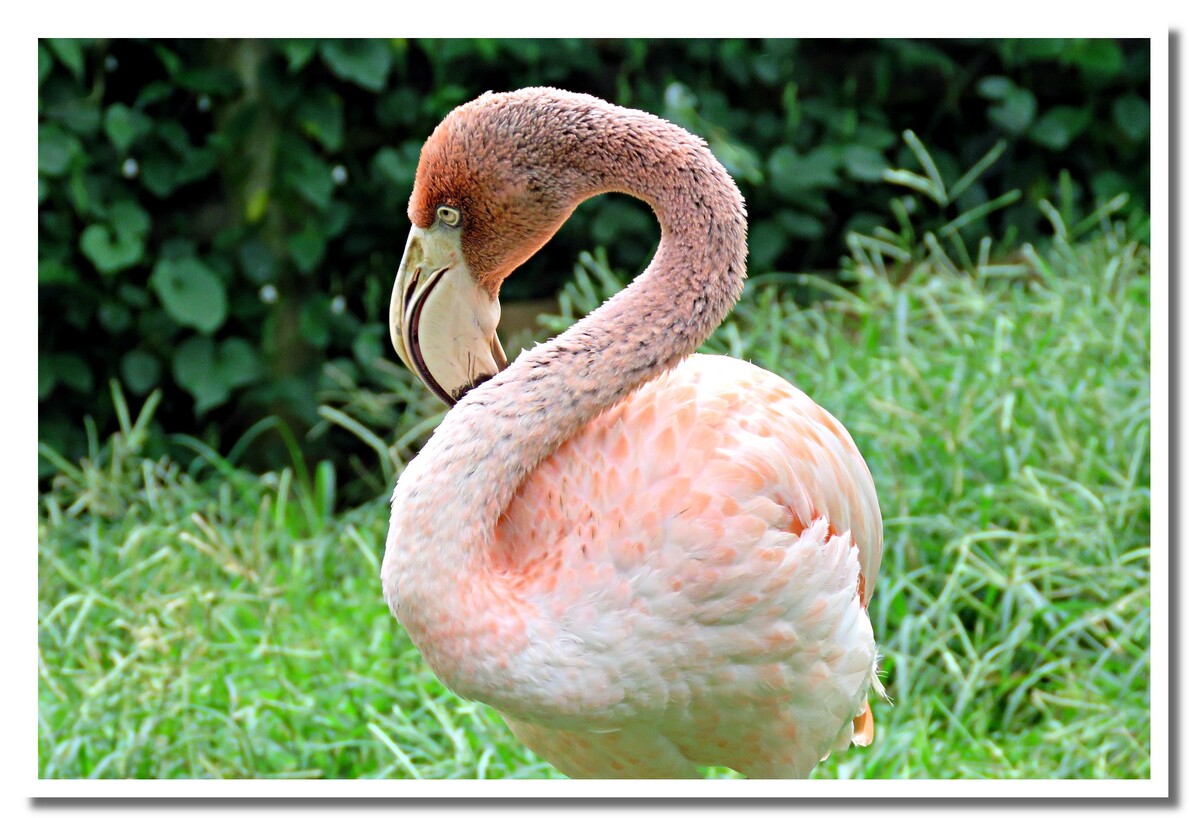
point(551, 149)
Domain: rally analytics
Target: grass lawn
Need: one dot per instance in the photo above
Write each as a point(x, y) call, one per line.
point(198, 621)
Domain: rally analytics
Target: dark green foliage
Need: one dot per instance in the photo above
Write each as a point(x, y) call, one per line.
point(222, 219)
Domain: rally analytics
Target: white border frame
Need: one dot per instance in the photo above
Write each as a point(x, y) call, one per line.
point(215, 17)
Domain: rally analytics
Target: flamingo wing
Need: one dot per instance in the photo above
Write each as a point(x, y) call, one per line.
point(708, 547)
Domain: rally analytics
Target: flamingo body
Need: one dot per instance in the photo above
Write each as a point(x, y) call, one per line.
point(704, 539)
point(647, 560)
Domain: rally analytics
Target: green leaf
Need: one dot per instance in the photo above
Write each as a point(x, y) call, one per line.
point(297, 51)
point(791, 173)
point(874, 136)
point(125, 125)
point(916, 54)
point(175, 136)
point(258, 261)
point(1014, 114)
point(212, 80)
point(158, 176)
point(765, 242)
point(45, 64)
point(320, 116)
point(237, 362)
point(120, 243)
point(210, 372)
point(315, 321)
point(171, 61)
point(770, 69)
point(1056, 128)
point(741, 161)
point(193, 369)
point(191, 293)
point(617, 218)
point(256, 204)
point(863, 163)
point(395, 166)
point(110, 253)
point(398, 107)
point(141, 370)
point(47, 378)
point(177, 248)
point(1038, 48)
point(307, 248)
point(1099, 56)
point(153, 93)
point(1107, 184)
point(128, 218)
point(338, 216)
point(84, 192)
point(801, 225)
point(133, 296)
point(367, 346)
point(734, 58)
point(197, 164)
point(114, 316)
point(306, 172)
point(363, 62)
point(1133, 116)
point(53, 271)
point(79, 114)
point(995, 87)
point(69, 53)
point(55, 150)
point(70, 369)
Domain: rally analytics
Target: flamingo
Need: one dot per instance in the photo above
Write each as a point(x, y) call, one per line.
point(647, 560)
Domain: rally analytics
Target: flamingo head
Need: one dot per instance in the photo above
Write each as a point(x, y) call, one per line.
point(495, 181)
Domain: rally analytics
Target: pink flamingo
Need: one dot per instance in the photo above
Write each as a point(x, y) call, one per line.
point(646, 560)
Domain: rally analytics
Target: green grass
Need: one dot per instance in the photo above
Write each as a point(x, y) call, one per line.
point(195, 620)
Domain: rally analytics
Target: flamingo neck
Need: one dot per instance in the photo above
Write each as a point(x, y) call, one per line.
point(437, 576)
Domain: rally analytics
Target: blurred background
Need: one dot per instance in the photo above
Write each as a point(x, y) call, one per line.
point(949, 250)
point(221, 220)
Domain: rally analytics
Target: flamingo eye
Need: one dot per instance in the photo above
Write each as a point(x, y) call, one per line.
point(449, 216)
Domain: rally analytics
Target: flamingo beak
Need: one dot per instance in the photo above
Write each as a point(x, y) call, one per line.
point(441, 321)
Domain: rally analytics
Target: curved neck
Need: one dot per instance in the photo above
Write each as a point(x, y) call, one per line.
point(450, 497)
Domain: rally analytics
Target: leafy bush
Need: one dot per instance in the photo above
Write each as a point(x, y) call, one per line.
point(222, 219)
